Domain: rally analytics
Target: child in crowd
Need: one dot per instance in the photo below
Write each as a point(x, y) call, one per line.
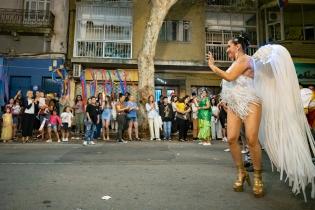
point(42, 100)
point(114, 123)
point(54, 121)
point(16, 111)
point(6, 134)
point(43, 114)
point(66, 119)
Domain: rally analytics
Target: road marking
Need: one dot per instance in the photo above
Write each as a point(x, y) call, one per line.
point(35, 163)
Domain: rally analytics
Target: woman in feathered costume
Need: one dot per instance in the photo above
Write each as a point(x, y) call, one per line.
point(262, 92)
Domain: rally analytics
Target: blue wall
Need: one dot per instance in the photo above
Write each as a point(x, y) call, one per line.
point(33, 68)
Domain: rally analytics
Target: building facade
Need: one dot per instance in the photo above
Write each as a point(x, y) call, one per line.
point(293, 27)
point(105, 37)
point(33, 37)
point(108, 35)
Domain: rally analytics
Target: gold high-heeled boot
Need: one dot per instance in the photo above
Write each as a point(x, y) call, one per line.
point(258, 188)
point(241, 178)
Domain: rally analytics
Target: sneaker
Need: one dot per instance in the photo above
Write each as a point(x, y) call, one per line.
point(224, 139)
point(200, 142)
point(92, 143)
point(85, 143)
point(151, 139)
point(122, 142)
point(49, 141)
point(206, 144)
point(58, 141)
point(227, 150)
point(158, 139)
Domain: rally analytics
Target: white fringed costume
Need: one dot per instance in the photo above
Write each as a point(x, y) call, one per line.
point(284, 131)
point(238, 94)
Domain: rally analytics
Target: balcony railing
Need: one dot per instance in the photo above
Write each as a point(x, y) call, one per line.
point(99, 49)
point(26, 18)
point(299, 49)
point(219, 51)
point(233, 3)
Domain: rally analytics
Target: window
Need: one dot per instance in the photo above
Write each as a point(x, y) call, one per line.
point(220, 27)
point(36, 9)
point(175, 31)
point(158, 93)
point(274, 32)
point(169, 92)
point(309, 33)
point(104, 30)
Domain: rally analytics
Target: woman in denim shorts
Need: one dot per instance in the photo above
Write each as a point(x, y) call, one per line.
point(132, 117)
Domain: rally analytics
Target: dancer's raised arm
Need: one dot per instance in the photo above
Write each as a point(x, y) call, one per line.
point(235, 70)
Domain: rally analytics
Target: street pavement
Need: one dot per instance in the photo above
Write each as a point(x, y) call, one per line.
point(137, 176)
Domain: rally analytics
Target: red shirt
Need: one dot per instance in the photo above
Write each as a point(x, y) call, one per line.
point(55, 119)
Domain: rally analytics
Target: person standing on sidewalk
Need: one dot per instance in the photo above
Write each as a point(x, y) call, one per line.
point(204, 116)
point(28, 116)
point(79, 115)
point(92, 119)
point(216, 128)
point(66, 119)
point(194, 116)
point(166, 112)
point(183, 117)
point(121, 110)
point(132, 117)
point(153, 118)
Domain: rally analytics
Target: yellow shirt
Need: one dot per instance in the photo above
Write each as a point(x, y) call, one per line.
point(180, 107)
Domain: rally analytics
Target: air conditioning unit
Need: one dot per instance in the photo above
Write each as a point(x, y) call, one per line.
point(77, 70)
point(274, 16)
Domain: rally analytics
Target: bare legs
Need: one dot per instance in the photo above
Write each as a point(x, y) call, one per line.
point(106, 129)
point(251, 131)
point(56, 133)
point(135, 125)
point(233, 132)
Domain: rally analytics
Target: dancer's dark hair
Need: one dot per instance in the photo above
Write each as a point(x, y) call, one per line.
point(243, 40)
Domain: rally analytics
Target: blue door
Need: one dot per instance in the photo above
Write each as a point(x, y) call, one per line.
point(19, 83)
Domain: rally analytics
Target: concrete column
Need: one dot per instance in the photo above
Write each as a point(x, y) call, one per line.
point(60, 9)
point(282, 24)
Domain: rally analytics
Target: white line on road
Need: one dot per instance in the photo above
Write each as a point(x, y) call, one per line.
point(35, 163)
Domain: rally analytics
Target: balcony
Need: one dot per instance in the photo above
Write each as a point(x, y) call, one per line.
point(103, 49)
point(250, 5)
point(32, 21)
point(299, 49)
point(219, 52)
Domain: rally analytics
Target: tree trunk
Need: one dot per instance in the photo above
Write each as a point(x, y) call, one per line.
point(159, 9)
